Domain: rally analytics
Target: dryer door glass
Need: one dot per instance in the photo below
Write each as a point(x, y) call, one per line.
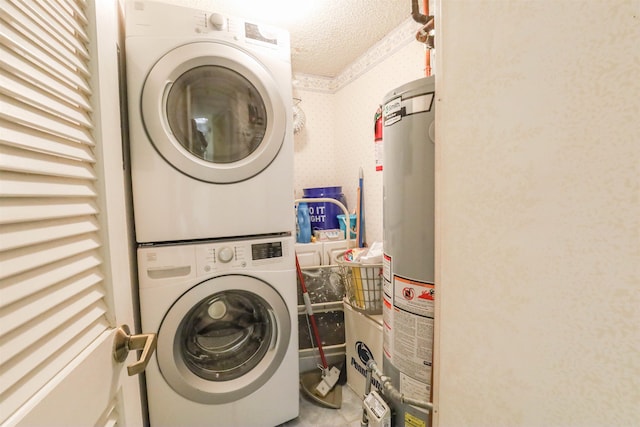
point(216, 114)
point(226, 335)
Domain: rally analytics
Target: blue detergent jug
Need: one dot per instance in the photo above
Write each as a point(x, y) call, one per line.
point(323, 216)
point(304, 224)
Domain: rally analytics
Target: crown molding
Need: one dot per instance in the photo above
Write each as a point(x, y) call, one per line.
point(391, 43)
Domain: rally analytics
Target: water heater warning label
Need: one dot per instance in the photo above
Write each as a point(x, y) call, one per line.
point(386, 273)
point(413, 296)
point(411, 421)
point(411, 335)
point(387, 331)
point(414, 388)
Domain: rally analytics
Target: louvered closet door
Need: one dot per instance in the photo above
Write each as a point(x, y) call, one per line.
point(62, 287)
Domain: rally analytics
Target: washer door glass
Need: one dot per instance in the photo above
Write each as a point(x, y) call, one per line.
point(226, 335)
point(223, 339)
point(216, 114)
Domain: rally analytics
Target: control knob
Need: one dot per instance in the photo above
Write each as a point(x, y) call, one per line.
point(225, 254)
point(217, 21)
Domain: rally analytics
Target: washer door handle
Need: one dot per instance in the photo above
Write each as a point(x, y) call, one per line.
point(124, 342)
point(274, 338)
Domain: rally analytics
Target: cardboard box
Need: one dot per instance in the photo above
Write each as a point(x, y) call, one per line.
point(363, 335)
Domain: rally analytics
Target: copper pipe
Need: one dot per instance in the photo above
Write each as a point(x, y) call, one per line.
point(427, 59)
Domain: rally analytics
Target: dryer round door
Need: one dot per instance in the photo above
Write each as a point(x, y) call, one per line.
point(223, 339)
point(213, 112)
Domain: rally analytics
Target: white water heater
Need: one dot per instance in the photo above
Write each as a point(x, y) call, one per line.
point(408, 234)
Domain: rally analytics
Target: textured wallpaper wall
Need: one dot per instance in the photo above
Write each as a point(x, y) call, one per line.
point(338, 138)
point(315, 157)
point(539, 213)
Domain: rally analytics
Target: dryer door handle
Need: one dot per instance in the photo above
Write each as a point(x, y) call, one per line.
point(124, 342)
point(165, 95)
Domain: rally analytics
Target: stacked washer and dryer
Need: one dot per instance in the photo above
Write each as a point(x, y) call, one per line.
point(210, 122)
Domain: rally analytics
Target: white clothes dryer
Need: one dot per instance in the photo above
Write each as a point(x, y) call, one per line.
point(210, 124)
point(225, 313)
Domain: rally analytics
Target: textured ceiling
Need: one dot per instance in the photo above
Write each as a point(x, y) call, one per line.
point(342, 30)
point(326, 35)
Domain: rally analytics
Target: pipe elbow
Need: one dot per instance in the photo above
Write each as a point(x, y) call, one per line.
point(416, 15)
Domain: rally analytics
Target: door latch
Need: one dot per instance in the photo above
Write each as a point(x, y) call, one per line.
point(124, 343)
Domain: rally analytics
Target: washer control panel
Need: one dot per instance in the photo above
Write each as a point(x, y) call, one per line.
point(242, 255)
point(166, 263)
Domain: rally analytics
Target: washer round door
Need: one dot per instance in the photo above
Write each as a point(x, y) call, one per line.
point(213, 112)
point(223, 339)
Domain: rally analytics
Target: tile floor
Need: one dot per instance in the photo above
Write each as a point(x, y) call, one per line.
point(314, 415)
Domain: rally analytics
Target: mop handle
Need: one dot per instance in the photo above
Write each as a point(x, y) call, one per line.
point(312, 319)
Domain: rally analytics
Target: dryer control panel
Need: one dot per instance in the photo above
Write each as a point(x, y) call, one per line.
point(152, 18)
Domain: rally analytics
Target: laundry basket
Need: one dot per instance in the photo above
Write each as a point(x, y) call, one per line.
point(362, 284)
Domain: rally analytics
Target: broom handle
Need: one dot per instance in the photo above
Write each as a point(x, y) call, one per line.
point(312, 319)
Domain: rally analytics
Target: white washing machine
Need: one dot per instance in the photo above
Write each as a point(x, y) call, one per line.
point(226, 318)
point(210, 124)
